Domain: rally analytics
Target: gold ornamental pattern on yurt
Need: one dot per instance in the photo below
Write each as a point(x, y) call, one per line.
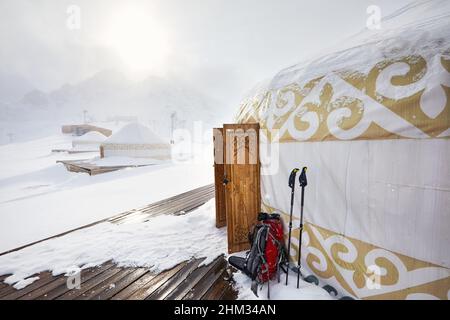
point(344, 263)
point(408, 97)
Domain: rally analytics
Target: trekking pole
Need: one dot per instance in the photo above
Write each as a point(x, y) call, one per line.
point(292, 186)
point(303, 184)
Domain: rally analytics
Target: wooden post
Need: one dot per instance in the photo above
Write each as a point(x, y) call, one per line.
point(221, 215)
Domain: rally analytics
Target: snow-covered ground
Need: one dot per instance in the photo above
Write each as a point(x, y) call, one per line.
point(279, 291)
point(159, 243)
point(39, 198)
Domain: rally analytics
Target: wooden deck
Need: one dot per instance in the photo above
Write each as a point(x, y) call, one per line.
point(189, 280)
point(186, 281)
point(70, 151)
point(81, 166)
point(177, 205)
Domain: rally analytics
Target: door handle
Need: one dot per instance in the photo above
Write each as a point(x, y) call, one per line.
point(225, 181)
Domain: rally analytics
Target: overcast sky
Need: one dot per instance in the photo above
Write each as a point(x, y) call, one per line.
point(222, 46)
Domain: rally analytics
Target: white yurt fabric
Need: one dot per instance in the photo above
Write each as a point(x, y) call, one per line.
point(136, 141)
point(372, 124)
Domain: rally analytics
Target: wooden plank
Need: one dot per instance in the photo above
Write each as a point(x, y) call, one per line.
point(181, 205)
point(181, 208)
point(175, 202)
point(172, 284)
point(155, 283)
point(242, 192)
point(89, 168)
point(3, 284)
point(58, 287)
point(161, 205)
point(42, 291)
point(109, 283)
point(193, 206)
point(121, 215)
point(206, 282)
point(229, 294)
point(183, 196)
point(133, 287)
point(83, 151)
point(188, 203)
point(171, 208)
point(170, 201)
point(121, 284)
point(217, 290)
point(219, 173)
point(88, 285)
point(184, 287)
point(10, 292)
point(179, 197)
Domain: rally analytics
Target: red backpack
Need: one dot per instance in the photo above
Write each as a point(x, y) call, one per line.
point(267, 254)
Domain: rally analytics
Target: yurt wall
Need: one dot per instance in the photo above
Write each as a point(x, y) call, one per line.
point(136, 141)
point(375, 140)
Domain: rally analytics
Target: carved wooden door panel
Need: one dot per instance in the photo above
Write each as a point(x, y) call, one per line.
point(242, 182)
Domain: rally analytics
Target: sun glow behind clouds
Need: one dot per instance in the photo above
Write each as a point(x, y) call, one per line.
point(138, 39)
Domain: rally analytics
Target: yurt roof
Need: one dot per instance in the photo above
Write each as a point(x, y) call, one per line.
point(91, 136)
point(134, 133)
point(351, 90)
point(420, 28)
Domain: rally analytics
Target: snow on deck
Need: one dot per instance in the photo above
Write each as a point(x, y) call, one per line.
point(39, 198)
point(159, 240)
point(122, 258)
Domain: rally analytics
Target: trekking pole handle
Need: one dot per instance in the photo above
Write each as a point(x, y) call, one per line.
point(292, 177)
point(302, 178)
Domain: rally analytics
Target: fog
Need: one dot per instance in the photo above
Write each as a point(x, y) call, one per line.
point(222, 47)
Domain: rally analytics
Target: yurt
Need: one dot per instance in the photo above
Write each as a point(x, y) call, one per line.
point(136, 141)
point(371, 122)
point(90, 141)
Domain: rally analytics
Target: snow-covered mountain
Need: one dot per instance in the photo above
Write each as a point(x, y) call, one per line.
point(110, 95)
point(13, 87)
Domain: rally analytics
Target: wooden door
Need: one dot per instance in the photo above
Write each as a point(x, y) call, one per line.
point(242, 176)
point(221, 218)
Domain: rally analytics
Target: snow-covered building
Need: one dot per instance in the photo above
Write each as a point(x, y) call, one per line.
point(136, 141)
point(371, 121)
point(90, 141)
